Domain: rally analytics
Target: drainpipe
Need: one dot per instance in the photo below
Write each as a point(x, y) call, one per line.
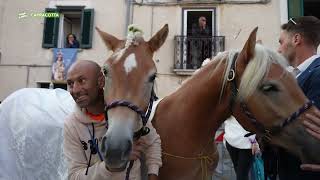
point(129, 14)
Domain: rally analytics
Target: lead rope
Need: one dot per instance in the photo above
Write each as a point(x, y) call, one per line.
point(205, 160)
point(94, 147)
point(129, 169)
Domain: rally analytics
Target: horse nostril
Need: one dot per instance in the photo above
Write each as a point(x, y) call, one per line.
point(128, 148)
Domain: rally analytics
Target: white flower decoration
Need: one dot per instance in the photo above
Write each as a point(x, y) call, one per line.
point(134, 33)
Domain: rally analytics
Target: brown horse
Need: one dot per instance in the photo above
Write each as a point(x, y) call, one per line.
point(187, 119)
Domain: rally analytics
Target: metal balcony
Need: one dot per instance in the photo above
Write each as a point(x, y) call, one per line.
point(191, 51)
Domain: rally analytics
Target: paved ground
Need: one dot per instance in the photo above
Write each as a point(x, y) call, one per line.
point(224, 171)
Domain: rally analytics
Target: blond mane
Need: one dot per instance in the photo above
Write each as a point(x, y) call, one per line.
point(255, 71)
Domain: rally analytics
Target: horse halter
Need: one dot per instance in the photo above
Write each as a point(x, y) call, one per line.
point(267, 133)
point(144, 115)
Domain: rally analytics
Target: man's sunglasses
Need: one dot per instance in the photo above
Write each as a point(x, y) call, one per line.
point(293, 21)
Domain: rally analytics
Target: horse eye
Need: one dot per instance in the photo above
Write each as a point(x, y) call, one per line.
point(269, 88)
point(152, 78)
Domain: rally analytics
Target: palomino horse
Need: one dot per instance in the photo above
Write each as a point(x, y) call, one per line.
point(250, 83)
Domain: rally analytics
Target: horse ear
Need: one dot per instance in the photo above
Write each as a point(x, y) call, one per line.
point(158, 39)
point(247, 52)
point(111, 41)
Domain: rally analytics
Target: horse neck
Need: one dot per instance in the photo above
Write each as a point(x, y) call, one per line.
point(196, 107)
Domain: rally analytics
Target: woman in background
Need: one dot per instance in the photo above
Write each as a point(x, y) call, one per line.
point(241, 149)
point(71, 41)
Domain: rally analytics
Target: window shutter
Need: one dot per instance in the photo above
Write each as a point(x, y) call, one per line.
point(86, 28)
point(295, 8)
point(50, 30)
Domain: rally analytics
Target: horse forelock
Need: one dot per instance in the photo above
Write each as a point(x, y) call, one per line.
point(119, 54)
point(131, 67)
point(257, 69)
point(254, 72)
point(134, 39)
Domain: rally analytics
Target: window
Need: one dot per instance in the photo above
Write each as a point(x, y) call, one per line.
point(198, 40)
point(75, 20)
point(295, 8)
point(311, 8)
point(298, 8)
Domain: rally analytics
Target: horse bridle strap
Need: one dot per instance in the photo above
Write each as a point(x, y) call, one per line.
point(292, 117)
point(260, 127)
point(232, 78)
point(276, 129)
point(144, 116)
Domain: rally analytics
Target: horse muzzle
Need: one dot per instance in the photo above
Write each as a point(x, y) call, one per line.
point(116, 153)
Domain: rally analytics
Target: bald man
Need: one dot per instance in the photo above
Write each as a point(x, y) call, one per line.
point(84, 129)
point(85, 84)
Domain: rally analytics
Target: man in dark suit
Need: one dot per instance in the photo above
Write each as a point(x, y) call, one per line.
point(299, 40)
point(200, 47)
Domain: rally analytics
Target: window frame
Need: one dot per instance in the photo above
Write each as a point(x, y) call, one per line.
point(295, 8)
point(54, 31)
point(57, 30)
point(184, 29)
point(185, 18)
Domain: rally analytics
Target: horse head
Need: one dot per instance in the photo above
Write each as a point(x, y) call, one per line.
point(269, 100)
point(130, 74)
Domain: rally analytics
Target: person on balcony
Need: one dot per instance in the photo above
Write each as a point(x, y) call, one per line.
point(199, 46)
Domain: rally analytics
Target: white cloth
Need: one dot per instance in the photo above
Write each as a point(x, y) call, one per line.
point(303, 66)
point(154, 108)
point(31, 134)
point(234, 134)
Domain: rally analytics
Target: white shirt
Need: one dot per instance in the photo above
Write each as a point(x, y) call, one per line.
point(303, 66)
point(234, 134)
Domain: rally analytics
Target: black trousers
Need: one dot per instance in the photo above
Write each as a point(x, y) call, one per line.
point(270, 159)
point(242, 161)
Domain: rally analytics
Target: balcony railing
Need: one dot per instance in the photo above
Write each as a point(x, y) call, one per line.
point(190, 51)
